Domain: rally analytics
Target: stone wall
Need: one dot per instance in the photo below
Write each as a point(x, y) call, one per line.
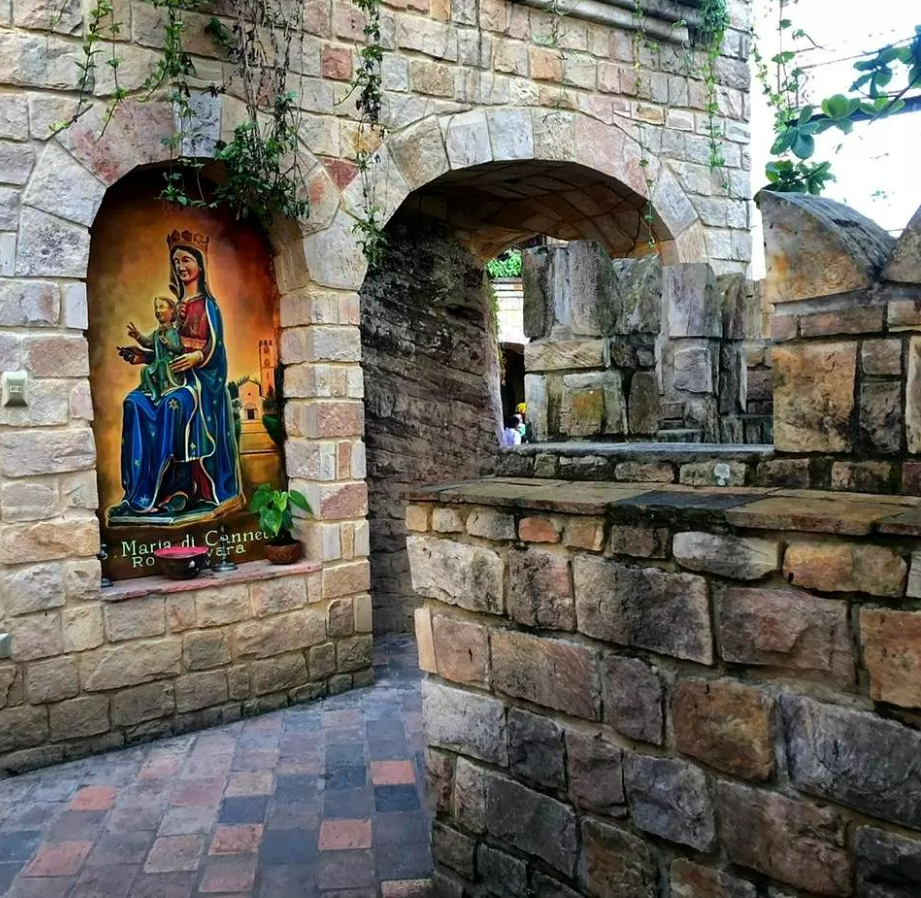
point(847, 353)
point(695, 693)
point(156, 658)
point(432, 410)
point(630, 349)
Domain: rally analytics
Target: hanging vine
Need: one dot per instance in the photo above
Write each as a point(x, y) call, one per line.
point(714, 20)
point(261, 164)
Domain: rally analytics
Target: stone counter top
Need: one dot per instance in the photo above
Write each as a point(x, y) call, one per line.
point(761, 508)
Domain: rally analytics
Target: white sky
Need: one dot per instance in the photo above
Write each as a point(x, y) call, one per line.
point(877, 166)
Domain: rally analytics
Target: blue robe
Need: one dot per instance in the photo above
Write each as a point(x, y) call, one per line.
point(184, 442)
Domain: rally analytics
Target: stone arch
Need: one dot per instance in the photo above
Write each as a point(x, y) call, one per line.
point(439, 145)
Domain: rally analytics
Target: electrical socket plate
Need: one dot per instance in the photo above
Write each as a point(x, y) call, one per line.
point(6, 645)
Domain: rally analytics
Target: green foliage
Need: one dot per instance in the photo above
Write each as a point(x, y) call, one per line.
point(885, 78)
point(274, 510)
point(714, 20)
point(506, 265)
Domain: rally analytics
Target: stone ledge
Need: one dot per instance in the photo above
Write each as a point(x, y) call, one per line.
point(753, 508)
point(643, 451)
point(249, 572)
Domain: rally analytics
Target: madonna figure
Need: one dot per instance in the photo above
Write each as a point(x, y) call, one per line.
point(179, 458)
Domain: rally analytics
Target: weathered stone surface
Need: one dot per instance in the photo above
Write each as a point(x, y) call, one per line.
point(671, 799)
point(535, 749)
point(558, 356)
point(217, 607)
point(649, 608)
point(593, 404)
point(135, 618)
point(502, 874)
point(24, 452)
point(277, 674)
point(904, 265)
point(36, 636)
point(863, 476)
point(200, 690)
point(595, 768)
point(834, 753)
point(280, 634)
point(786, 628)
point(548, 672)
point(22, 728)
point(792, 841)
point(892, 655)
point(818, 247)
point(814, 396)
point(470, 795)
point(693, 881)
point(640, 542)
point(50, 247)
point(639, 294)
point(322, 660)
point(52, 681)
point(540, 590)
point(454, 849)
point(644, 472)
point(276, 596)
point(912, 394)
point(741, 558)
point(456, 573)
point(615, 864)
point(536, 529)
point(888, 865)
point(354, 653)
point(439, 780)
point(689, 294)
point(79, 718)
point(130, 664)
point(881, 415)
point(845, 567)
point(643, 405)
point(488, 523)
point(461, 650)
point(719, 473)
point(464, 722)
point(693, 369)
point(132, 706)
point(881, 358)
point(203, 650)
point(725, 724)
point(532, 823)
point(632, 698)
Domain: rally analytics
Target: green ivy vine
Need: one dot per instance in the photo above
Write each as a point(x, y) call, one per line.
point(261, 163)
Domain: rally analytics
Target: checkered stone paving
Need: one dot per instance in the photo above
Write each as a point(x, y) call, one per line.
point(309, 801)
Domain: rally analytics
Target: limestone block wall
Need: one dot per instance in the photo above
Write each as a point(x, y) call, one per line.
point(847, 354)
point(633, 350)
point(640, 692)
point(155, 658)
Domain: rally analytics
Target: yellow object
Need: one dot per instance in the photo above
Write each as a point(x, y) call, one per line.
point(521, 408)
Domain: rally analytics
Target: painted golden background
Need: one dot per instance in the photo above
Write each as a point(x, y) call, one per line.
point(129, 265)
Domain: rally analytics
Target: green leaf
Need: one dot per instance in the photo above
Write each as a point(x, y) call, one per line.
point(300, 500)
point(837, 106)
point(806, 115)
point(784, 142)
point(803, 146)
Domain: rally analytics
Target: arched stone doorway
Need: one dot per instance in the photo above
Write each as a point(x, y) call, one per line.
point(429, 352)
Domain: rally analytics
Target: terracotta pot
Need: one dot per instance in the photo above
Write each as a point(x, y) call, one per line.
point(285, 554)
point(181, 562)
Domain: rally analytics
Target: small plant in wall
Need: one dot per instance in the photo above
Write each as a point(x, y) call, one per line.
point(276, 521)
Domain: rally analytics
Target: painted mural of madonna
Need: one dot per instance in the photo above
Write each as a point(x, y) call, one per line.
point(180, 461)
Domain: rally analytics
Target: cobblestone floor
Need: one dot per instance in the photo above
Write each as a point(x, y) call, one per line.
point(317, 800)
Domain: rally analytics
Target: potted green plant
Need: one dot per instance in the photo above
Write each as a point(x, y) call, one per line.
point(275, 520)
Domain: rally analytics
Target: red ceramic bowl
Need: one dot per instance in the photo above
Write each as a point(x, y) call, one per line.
point(181, 562)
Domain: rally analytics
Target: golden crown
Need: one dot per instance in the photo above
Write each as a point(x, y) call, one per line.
point(188, 238)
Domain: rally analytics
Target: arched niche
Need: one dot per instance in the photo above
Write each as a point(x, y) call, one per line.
point(180, 452)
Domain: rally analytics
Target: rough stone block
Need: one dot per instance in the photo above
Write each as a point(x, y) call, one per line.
point(881, 358)
point(888, 865)
point(79, 718)
point(36, 636)
point(549, 672)
point(276, 596)
point(863, 476)
point(354, 653)
point(788, 629)
point(470, 795)
point(639, 542)
point(217, 607)
point(693, 369)
point(615, 863)
point(595, 773)
point(204, 650)
point(464, 722)
point(22, 728)
point(135, 619)
point(584, 533)
point(277, 674)
point(490, 524)
point(644, 472)
point(725, 724)
point(461, 650)
point(639, 294)
point(834, 753)
point(454, 849)
point(903, 265)
point(455, 573)
point(645, 608)
point(892, 655)
point(814, 396)
point(691, 880)
point(913, 396)
point(133, 706)
point(632, 698)
point(538, 530)
point(690, 296)
point(540, 590)
point(881, 416)
point(52, 681)
point(200, 690)
point(845, 567)
point(340, 618)
point(26, 452)
point(791, 841)
point(280, 634)
point(447, 520)
point(503, 875)
point(535, 749)
point(532, 823)
point(671, 799)
point(322, 660)
point(643, 407)
point(562, 355)
point(740, 558)
point(439, 780)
